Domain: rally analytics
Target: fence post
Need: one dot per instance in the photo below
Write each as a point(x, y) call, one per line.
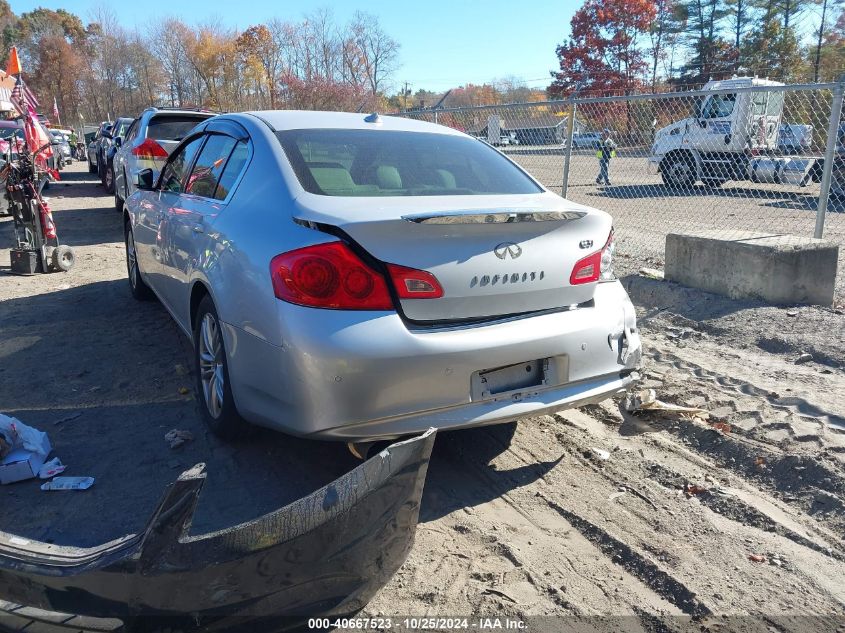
point(570, 129)
point(830, 151)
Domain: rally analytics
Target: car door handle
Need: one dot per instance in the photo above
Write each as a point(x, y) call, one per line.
point(198, 228)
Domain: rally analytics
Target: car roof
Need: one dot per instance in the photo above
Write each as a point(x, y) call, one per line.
point(308, 119)
point(157, 111)
point(11, 124)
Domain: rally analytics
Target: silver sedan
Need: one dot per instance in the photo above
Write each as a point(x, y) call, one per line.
point(358, 277)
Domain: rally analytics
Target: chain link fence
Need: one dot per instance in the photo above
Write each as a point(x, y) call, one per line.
point(762, 158)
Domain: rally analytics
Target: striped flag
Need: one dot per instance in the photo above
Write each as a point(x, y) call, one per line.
point(56, 111)
point(36, 137)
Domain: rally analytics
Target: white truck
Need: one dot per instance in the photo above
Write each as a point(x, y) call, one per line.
point(731, 136)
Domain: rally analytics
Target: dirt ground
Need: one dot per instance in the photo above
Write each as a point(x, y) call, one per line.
point(732, 519)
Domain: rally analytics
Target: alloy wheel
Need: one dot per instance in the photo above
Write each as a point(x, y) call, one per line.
point(211, 364)
point(131, 260)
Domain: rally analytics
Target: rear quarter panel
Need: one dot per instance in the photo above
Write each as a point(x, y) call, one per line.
point(255, 226)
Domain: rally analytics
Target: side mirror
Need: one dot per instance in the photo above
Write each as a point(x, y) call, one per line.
point(118, 141)
point(144, 180)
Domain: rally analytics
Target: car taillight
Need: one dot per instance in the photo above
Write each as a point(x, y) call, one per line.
point(149, 149)
point(598, 265)
point(328, 276)
point(411, 283)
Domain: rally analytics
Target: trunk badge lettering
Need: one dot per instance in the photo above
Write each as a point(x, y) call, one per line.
point(507, 248)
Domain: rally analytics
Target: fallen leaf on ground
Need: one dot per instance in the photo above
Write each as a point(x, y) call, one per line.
point(177, 437)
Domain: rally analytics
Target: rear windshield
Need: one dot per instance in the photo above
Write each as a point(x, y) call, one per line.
point(172, 127)
point(392, 163)
point(121, 127)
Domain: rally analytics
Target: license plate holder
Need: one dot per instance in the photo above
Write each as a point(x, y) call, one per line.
point(509, 379)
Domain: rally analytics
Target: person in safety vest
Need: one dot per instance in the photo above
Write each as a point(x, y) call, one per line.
point(606, 151)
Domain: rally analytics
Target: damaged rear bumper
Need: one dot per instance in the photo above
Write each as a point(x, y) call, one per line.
point(325, 554)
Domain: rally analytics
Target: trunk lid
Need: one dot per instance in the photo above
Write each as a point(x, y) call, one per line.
point(493, 255)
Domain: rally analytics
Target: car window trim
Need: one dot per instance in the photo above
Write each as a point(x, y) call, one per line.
point(208, 135)
point(182, 144)
point(237, 180)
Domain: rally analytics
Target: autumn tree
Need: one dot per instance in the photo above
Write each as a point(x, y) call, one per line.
point(604, 53)
point(712, 56)
point(258, 48)
point(831, 54)
point(665, 30)
point(375, 50)
point(474, 95)
point(823, 33)
point(772, 48)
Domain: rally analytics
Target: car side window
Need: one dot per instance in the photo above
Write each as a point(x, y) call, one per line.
point(209, 165)
point(133, 130)
point(177, 167)
point(232, 170)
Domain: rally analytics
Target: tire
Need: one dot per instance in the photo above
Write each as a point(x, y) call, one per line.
point(63, 258)
point(92, 169)
point(212, 371)
point(118, 201)
point(140, 290)
point(678, 172)
point(108, 178)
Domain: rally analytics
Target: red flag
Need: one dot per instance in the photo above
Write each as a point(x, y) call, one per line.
point(36, 136)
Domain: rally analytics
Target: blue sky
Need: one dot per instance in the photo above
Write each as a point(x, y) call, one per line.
point(445, 43)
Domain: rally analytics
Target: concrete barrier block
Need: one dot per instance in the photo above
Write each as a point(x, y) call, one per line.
point(776, 268)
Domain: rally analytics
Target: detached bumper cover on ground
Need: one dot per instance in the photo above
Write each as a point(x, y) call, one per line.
point(326, 553)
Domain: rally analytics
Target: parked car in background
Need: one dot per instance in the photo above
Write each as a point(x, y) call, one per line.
point(108, 146)
point(586, 140)
point(11, 142)
point(147, 144)
point(794, 138)
point(11, 138)
point(94, 146)
point(66, 134)
point(355, 277)
point(61, 148)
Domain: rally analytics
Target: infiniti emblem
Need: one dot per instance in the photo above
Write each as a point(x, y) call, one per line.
point(507, 248)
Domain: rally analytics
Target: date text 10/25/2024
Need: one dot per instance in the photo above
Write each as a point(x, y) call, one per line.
point(418, 624)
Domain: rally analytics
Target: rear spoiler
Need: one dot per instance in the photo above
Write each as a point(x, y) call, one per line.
point(325, 554)
point(493, 217)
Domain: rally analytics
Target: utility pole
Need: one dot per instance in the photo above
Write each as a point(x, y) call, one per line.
point(406, 92)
